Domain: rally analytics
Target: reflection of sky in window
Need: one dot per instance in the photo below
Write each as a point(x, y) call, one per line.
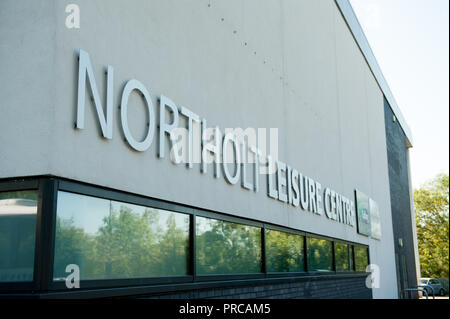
point(18, 203)
point(85, 211)
point(162, 215)
point(203, 225)
point(88, 212)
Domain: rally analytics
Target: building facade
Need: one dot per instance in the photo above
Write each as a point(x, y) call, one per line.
point(123, 171)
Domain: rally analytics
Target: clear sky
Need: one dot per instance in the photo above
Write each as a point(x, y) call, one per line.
point(409, 39)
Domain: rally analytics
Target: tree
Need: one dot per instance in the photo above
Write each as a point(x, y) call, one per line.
point(174, 247)
point(225, 248)
point(126, 243)
point(130, 242)
point(71, 246)
point(284, 252)
point(431, 208)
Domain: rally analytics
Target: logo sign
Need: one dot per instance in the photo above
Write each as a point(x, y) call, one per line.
point(367, 216)
point(375, 221)
point(73, 278)
point(363, 213)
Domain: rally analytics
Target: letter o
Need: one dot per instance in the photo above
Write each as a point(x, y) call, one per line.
point(231, 179)
point(129, 87)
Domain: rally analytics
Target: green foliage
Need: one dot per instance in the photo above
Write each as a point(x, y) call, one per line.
point(127, 245)
point(70, 247)
point(320, 254)
point(284, 252)
point(227, 248)
point(432, 219)
point(342, 256)
point(361, 257)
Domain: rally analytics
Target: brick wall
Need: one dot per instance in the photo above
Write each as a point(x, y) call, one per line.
point(343, 288)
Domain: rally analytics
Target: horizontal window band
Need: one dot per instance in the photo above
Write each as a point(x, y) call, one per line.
point(193, 277)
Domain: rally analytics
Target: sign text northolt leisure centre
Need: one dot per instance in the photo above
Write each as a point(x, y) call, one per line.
point(284, 183)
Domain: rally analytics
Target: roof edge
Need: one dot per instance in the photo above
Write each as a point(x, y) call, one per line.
point(352, 21)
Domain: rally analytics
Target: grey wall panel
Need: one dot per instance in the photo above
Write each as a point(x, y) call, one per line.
point(27, 91)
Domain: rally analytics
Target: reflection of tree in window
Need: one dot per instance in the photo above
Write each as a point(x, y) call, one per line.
point(284, 252)
point(31, 195)
point(131, 242)
point(225, 248)
point(342, 256)
point(361, 258)
point(71, 246)
point(319, 255)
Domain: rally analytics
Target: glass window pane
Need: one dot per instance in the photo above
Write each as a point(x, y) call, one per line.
point(342, 256)
point(361, 258)
point(109, 239)
point(18, 211)
point(319, 255)
point(227, 248)
point(284, 252)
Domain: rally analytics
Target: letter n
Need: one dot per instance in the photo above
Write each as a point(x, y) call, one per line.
point(85, 70)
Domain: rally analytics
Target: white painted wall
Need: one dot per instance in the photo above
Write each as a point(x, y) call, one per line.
point(301, 72)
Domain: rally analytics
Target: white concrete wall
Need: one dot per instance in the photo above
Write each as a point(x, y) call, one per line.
point(27, 91)
point(307, 78)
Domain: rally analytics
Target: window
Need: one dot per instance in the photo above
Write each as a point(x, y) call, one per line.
point(361, 257)
point(352, 262)
point(284, 252)
point(18, 211)
point(342, 256)
point(109, 239)
point(320, 254)
point(227, 248)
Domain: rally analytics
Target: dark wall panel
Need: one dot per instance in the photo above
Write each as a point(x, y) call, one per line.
point(400, 200)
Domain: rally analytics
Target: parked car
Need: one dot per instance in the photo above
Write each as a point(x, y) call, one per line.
point(435, 286)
